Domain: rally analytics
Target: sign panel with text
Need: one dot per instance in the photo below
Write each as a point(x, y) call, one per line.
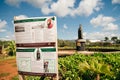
point(36, 43)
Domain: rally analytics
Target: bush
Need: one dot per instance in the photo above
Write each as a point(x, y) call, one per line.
point(69, 66)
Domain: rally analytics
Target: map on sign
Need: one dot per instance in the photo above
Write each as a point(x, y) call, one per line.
point(36, 40)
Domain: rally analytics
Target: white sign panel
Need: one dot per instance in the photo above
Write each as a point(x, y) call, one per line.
point(36, 40)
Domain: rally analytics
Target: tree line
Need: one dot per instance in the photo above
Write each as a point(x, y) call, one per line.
point(113, 39)
point(9, 48)
point(66, 43)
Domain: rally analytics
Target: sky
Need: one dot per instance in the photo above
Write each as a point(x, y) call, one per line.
point(99, 18)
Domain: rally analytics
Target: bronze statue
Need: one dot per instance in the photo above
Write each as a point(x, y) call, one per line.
point(80, 35)
point(80, 42)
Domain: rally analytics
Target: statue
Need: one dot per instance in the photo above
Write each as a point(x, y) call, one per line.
point(80, 42)
point(80, 35)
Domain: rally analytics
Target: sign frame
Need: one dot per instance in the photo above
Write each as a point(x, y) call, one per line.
point(37, 44)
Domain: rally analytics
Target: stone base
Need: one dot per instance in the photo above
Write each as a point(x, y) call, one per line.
point(80, 45)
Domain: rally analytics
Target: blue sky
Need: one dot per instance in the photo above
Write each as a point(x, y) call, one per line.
point(99, 18)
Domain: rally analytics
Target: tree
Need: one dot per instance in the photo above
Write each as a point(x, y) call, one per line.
point(114, 39)
point(118, 41)
point(11, 48)
point(68, 43)
point(96, 67)
point(106, 38)
point(4, 44)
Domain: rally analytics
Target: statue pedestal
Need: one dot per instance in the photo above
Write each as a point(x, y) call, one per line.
point(80, 45)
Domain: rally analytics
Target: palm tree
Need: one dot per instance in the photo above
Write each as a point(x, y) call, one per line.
point(96, 67)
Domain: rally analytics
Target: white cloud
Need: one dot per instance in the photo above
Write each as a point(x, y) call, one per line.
point(99, 35)
point(2, 30)
point(111, 26)
point(3, 23)
point(38, 3)
point(62, 7)
point(9, 37)
point(35, 3)
point(116, 1)
point(13, 2)
point(87, 7)
point(20, 17)
point(104, 21)
point(65, 26)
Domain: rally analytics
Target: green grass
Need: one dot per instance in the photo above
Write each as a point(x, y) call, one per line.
point(4, 74)
point(2, 58)
point(31, 78)
point(15, 77)
point(14, 65)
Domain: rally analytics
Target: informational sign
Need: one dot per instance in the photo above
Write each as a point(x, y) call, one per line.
point(36, 42)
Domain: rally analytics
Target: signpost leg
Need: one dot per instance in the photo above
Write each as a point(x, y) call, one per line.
point(21, 77)
point(55, 78)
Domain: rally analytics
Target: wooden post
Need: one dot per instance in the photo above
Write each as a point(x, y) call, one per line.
point(55, 78)
point(56, 46)
point(21, 77)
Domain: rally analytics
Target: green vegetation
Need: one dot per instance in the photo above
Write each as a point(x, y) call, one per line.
point(2, 57)
point(90, 67)
point(14, 65)
point(11, 48)
point(8, 48)
point(32, 78)
point(102, 46)
point(4, 74)
point(98, 66)
point(15, 77)
point(114, 39)
point(66, 43)
point(103, 49)
point(95, 66)
point(37, 78)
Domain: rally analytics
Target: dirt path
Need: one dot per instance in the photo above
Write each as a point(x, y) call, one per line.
point(8, 69)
